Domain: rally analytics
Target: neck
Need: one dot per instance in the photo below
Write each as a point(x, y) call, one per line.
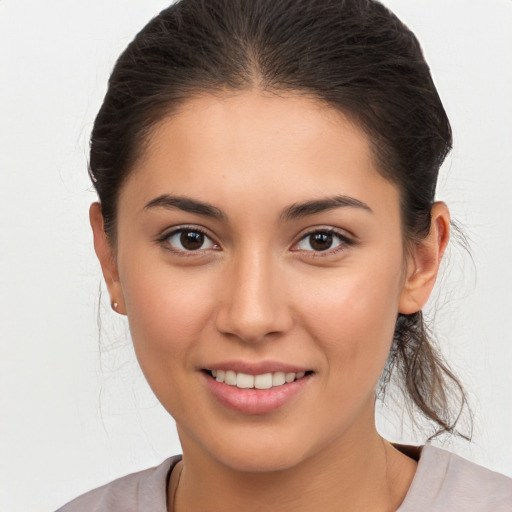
point(352, 474)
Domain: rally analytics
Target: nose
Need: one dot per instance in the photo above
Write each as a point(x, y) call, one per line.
point(254, 305)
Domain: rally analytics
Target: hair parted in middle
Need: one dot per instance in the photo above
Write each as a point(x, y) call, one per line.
point(353, 55)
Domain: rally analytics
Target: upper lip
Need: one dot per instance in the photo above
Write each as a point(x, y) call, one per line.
point(256, 368)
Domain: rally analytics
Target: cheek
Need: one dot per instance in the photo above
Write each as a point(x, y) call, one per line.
point(167, 310)
point(353, 318)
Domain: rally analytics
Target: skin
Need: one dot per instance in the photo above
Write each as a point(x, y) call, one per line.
point(258, 292)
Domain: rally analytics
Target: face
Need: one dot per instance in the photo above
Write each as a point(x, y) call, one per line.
point(258, 243)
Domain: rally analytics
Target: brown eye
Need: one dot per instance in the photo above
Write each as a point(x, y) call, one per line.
point(319, 241)
point(188, 240)
point(191, 240)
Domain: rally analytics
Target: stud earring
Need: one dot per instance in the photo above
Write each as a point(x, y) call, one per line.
point(114, 306)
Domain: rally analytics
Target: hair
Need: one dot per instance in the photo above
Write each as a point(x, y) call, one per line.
point(353, 55)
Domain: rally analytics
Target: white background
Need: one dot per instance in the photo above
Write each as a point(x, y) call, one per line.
point(70, 418)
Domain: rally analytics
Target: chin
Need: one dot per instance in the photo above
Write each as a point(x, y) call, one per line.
point(262, 462)
point(264, 455)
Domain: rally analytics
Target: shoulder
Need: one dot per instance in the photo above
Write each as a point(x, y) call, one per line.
point(144, 490)
point(446, 482)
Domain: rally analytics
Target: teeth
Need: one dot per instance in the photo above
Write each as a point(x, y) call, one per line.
point(289, 377)
point(263, 381)
point(244, 381)
point(230, 378)
point(278, 379)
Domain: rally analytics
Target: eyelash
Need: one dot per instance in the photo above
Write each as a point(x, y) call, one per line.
point(344, 243)
point(164, 240)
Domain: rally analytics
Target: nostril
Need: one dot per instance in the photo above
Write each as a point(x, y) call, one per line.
point(253, 311)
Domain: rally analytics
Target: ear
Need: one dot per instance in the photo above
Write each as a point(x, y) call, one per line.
point(106, 255)
point(424, 260)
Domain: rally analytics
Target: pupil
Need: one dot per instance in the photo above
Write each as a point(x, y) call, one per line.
point(321, 241)
point(191, 240)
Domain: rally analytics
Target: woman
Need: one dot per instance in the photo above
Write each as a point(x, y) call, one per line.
point(266, 173)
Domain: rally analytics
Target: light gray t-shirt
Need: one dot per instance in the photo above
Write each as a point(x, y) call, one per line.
point(443, 482)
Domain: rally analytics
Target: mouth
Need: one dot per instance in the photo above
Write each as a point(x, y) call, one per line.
point(257, 388)
point(269, 380)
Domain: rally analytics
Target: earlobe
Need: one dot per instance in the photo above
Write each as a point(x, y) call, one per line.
point(424, 262)
point(105, 253)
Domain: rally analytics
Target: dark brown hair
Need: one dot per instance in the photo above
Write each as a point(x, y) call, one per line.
point(354, 55)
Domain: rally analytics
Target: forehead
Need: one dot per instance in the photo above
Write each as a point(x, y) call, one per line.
point(251, 145)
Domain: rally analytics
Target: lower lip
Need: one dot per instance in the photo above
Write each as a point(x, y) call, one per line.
point(255, 401)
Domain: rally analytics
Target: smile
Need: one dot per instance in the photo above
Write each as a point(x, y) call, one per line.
point(257, 388)
point(261, 381)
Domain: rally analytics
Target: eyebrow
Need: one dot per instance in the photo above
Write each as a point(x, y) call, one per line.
point(298, 210)
point(187, 205)
point(295, 211)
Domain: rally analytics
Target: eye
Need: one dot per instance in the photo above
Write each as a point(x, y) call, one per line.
point(189, 240)
point(321, 240)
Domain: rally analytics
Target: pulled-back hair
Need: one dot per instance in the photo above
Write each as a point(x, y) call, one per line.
point(353, 55)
